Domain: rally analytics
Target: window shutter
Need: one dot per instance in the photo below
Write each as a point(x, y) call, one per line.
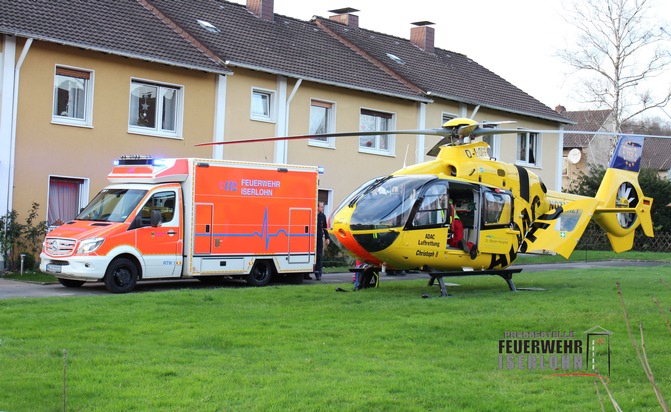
point(63, 71)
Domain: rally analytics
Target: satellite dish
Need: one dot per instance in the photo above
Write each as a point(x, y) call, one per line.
point(574, 156)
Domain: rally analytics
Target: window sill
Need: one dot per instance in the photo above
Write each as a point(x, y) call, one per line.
point(322, 145)
point(376, 152)
point(528, 165)
point(154, 134)
point(65, 122)
point(262, 119)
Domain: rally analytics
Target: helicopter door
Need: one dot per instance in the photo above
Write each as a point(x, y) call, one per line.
point(496, 217)
point(432, 219)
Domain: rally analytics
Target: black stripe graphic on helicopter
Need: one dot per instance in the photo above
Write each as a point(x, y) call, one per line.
point(539, 224)
point(524, 183)
point(501, 260)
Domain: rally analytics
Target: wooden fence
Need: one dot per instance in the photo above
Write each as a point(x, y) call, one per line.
point(595, 239)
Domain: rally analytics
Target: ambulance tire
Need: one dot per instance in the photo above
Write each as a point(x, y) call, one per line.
point(121, 276)
point(261, 273)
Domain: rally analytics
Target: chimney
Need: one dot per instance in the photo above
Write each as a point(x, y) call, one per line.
point(345, 16)
point(560, 109)
point(262, 8)
point(422, 36)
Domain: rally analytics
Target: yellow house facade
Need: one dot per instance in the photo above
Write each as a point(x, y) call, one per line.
point(74, 99)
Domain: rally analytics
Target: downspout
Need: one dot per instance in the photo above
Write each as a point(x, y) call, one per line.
point(286, 122)
point(11, 119)
point(560, 159)
point(421, 139)
point(282, 152)
point(219, 116)
point(15, 113)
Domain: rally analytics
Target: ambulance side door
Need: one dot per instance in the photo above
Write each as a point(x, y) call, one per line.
point(161, 246)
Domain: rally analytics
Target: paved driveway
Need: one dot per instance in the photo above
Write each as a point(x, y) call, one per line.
point(16, 289)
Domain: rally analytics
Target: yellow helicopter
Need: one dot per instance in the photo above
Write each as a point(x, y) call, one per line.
point(465, 213)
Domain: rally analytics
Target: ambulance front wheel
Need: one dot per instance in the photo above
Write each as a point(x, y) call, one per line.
point(260, 274)
point(121, 276)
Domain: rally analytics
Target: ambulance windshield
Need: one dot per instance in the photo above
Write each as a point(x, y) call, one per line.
point(112, 205)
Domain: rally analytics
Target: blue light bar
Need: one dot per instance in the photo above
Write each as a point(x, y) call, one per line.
point(133, 160)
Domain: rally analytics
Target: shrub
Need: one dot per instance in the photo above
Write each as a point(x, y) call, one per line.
point(18, 238)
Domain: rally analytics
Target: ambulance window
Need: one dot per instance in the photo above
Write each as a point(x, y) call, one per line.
point(497, 208)
point(164, 202)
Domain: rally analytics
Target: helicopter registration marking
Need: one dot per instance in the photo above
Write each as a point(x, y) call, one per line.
point(481, 153)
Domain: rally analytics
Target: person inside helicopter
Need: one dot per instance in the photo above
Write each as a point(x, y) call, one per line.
point(456, 232)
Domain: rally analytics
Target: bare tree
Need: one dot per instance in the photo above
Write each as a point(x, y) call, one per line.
point(620, 48)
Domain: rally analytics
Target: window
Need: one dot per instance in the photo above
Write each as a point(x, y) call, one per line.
point(492, 140)
point(66, 198)
point(73, 97)
point(446, 117)
point(164, 202)
point(497, 209)
point(262, 105)
point(155, 109)
point(371, 121)
point(527, 148)
point(321, 121)
point(433, 209)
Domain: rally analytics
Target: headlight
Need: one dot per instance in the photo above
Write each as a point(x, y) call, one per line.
point(89, 245)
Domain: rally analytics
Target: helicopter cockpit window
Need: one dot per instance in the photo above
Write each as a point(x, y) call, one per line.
point(388, 203)
point(433, 209)
point(497, 208)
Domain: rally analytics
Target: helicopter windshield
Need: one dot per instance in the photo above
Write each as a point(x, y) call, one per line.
point(112, 205)
point(351, 199)
point(389, 203)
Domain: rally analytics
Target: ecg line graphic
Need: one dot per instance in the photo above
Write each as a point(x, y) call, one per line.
point(263, 234)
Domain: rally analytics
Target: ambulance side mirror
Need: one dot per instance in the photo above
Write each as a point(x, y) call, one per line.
point(155, 217)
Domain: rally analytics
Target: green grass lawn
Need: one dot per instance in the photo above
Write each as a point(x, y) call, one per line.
point(309, 348)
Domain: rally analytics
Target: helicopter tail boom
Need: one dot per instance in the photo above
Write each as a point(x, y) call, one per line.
point(619, 207)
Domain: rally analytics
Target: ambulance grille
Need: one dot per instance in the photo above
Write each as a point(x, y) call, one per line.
point(60, 246)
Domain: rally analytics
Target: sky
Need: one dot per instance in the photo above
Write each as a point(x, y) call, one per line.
point(518, 39)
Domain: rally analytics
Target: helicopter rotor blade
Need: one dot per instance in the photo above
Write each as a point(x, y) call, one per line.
point(593, 133)
point(433, 132)
point(487, 131)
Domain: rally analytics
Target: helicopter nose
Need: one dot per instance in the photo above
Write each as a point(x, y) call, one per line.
point(343, 236)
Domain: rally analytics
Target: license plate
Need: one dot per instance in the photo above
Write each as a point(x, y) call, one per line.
point(51, 268)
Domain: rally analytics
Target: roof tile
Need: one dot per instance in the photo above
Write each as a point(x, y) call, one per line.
point(287, 46)
point(592, 120)
point(444, 73)
point(124, 28)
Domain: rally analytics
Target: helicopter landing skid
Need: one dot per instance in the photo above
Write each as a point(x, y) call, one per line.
point(506, 274)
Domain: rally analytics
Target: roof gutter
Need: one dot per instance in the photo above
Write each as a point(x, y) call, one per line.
point(501, 108)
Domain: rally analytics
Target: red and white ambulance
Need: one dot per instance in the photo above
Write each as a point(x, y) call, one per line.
point(189, 218)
